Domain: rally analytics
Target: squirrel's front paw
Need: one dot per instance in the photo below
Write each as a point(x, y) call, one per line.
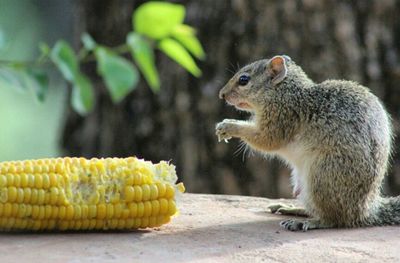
point(226, 129)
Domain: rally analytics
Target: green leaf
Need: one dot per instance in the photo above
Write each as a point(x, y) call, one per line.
point(44, 48)
point(186, 36)
point(88, 41)
point(12, 79)
point(38, 82)
point(157, 19)
point(22, 80)
point(178, 53)
point(144, 57)
point(120, 76)
point(82, 97)
point(65, 59)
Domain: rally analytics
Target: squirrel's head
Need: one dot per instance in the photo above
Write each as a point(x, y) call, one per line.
point(248, 85)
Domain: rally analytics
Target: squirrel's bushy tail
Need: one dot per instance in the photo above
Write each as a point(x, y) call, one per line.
point(388, 212)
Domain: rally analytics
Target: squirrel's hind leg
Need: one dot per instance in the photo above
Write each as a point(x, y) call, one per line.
point(303, 225)
point(287, 210)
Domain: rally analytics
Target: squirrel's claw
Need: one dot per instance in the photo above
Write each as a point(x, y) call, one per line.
point(222, 131)
point(295, 225)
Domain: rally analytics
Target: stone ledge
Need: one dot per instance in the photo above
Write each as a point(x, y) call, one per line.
point(210, 228)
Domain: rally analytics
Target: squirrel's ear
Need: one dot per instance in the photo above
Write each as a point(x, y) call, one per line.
point(277, 69)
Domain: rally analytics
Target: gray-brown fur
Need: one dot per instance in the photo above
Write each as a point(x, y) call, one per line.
point(335, 135)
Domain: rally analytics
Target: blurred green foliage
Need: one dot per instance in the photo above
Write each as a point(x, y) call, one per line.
point(28, 129)
point(155, 25)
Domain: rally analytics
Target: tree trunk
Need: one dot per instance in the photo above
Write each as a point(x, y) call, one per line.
point(357, 40)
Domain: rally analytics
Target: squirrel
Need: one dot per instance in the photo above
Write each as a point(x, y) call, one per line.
point(335, 135)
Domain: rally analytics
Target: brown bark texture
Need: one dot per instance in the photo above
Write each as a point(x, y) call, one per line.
point(355, 40)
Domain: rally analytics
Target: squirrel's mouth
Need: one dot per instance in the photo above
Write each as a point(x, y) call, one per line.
point(240, 105)
point(243, 106)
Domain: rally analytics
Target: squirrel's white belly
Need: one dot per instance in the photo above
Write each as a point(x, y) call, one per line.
point(300, 159)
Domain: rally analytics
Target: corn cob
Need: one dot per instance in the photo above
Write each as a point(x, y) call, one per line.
point(81, 194)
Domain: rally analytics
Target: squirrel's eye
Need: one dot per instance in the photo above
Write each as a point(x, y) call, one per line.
point(243, 80)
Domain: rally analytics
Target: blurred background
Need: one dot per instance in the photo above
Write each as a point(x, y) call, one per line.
point(355, 40)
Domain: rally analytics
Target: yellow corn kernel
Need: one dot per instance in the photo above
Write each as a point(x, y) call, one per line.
point(85, 224)
point(10, 179)
point(14, 211)
point(133, 209)
point(138, 193)
point(118, 210)
point(146, 192)
point(3, 180)
point(138, 222)
point(54, 195)
point(171, 207)
point(110, 211)
point(41, 196)
point(28, 211)
point(138, 180)
point(54, 212)
point(21, 211)
point(47, 211)
point(129, 181)
point(129, 193)
point(121, 224)
point(10, 223)
point(92, 211)
point(181, 187)
point(129, 223)
point(31, 180)
point(92, 224)
point(163, 206)
point(155, 207)
point(125, 213)
point(34, 196)
point(147, 209)
point(12, 194)
point(38, 181)
point(63, 225)
point(152, 221)
point(140, 209)
point(1, 209)
point(78, 225)
point(169, 191)
point(51, 224)
point(85, 211)
point(27, 195)
point(145, 222)
point(153, 192)
point(35, 211)
point(20, 195)
point(46, 181)
point(77, 212)
point(53, 180)
point(101, 211)
point(24, 180)
point(42, 212)
point(69, 212)
point(161, 189)
point(62, 211)
point(112, 224)
point(17, 180)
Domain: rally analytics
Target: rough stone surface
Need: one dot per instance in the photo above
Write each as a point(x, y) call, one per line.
point(210, 228)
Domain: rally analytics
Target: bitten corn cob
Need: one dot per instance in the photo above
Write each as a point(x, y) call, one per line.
point(81, 194)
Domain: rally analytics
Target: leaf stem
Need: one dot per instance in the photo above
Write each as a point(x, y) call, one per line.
point(43, 60)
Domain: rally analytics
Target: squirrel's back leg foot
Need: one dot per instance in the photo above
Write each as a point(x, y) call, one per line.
point(287, 210)
point(303, 225)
